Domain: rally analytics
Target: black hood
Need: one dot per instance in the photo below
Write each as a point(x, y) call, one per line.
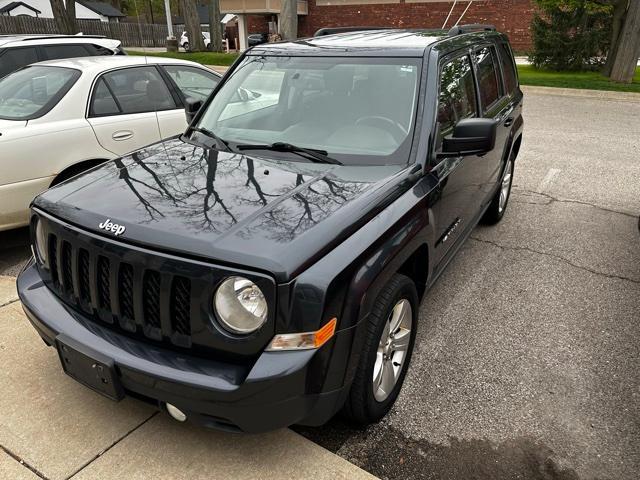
point(272, 215)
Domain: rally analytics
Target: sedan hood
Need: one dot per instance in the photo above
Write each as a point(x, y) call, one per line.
point(272, 215)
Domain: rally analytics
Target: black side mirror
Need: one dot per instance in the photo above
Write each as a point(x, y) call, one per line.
point(191, 108)
point(471, 136)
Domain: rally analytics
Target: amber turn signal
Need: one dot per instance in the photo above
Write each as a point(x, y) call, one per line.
point(304, 341)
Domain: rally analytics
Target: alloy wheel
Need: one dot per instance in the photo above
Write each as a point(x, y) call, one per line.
point(506, 186)
point(392, 350)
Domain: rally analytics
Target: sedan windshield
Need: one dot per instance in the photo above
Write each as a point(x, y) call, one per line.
point(357, 110)
point(33, 91)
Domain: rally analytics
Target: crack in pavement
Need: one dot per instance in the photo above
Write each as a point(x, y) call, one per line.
point(9, 302)
point(553, 199)
point(557, 257)
point(86, 464)
point(22, 462)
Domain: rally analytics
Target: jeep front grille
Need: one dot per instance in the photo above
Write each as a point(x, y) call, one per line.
point(121, 295)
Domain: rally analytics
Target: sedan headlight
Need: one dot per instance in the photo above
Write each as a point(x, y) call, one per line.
point(41, 242)
point(240, 305)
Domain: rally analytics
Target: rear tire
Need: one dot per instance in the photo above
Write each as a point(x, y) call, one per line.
point(499, 203)
point(390, 336)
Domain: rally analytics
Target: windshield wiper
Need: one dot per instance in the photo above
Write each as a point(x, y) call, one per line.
point(317, 156)
point(212, 135)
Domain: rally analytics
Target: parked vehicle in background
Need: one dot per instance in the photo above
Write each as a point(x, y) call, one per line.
point(61, 117)
point(257, 38)
point(266, 267)
point(184, 41)
point(17, 51)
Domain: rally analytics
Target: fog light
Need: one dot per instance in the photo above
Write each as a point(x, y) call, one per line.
point(176, 413)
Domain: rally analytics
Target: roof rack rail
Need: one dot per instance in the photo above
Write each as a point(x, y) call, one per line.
point(474, 27)
point(332, 30)
point(25, 38)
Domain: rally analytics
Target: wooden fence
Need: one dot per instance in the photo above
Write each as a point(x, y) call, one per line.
point(130, 34)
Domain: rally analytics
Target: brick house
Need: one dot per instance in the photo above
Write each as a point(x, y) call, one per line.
point(509, 16)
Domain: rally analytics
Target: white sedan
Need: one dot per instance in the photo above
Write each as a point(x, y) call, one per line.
point(61, 117)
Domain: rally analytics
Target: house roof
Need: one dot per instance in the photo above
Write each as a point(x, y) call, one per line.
point(102, 8)
point(10, 6)
point(203, 13)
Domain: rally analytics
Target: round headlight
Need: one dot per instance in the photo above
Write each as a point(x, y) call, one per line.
point(240, 305)
point(41, 242)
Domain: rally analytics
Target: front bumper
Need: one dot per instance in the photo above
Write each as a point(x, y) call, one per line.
point(274, 392)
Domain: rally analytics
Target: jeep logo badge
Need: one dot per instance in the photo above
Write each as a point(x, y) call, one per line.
point(109, 226)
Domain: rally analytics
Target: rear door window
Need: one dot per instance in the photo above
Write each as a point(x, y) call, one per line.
point(54, 52)
point(138, 90)
point(103, 103)
point(508, 68)
point(487, 77)
point(14, 58)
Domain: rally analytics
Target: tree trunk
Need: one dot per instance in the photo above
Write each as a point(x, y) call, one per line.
point(215, 27)
point(192, 25)
point(628, 51)
point(619, 13)
point(289, 19)
point(64, 16)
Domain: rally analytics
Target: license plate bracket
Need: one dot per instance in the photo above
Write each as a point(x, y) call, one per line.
point(89, 367)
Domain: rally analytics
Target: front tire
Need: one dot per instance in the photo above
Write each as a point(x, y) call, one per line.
point(499, 203)
point(390, 336)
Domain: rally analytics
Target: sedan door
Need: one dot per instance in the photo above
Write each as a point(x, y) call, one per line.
point(188, 82)
point(124, 107)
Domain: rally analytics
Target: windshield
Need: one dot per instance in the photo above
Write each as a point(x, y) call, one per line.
point(33, 91)
point(358, 110)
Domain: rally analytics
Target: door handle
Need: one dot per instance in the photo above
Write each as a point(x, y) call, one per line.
point(508, 122)
point(122, 135)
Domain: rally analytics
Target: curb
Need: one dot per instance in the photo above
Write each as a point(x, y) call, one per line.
point(583, 93)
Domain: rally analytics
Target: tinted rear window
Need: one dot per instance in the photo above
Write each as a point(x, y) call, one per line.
point(33, 91)
point(14, 58)
point(54, 52)
point(508, 69)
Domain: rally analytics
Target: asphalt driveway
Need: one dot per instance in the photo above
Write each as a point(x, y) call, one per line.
point(527, 362)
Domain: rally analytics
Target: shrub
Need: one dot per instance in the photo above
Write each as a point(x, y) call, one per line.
point(571, 34)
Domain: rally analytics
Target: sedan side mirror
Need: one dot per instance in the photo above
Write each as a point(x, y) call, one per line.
point(471, 136)
point(191, 108)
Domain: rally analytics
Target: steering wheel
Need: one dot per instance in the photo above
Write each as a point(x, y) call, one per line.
point(397, 131)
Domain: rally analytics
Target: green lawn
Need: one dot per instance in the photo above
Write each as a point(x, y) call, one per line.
point(206, 58)
point(590, 80)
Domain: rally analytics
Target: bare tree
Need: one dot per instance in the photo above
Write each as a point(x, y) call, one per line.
point(215, 27)
point(192, 25)
point(289, 19)
point(621, 65)
point(65, 16)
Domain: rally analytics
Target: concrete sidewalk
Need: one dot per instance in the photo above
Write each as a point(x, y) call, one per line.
point(54, 428)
